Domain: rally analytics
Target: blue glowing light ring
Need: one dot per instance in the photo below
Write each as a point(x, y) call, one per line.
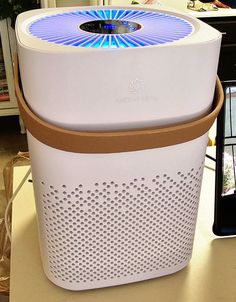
point(156, 28)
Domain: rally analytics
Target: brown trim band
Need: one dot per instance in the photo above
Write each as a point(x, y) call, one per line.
point(117, 141)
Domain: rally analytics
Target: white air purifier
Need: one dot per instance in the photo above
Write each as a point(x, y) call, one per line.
point(117, 103)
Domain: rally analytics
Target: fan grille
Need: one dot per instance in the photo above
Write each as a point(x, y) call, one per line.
point(155, 28)
point(113, 230)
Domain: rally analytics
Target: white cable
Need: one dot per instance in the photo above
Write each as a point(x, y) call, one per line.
point(11, 201)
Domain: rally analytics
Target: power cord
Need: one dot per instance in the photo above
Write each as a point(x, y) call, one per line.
point(210, 157)
point(6, 216)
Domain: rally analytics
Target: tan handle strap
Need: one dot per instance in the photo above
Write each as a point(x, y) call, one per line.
point(116, 141)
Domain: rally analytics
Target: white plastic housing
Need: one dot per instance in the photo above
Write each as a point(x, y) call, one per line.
point(110, 219)
point(107, 89)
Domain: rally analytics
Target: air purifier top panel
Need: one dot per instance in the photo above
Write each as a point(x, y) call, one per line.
point(76, 29)
point(113, 68)
point(111, 28)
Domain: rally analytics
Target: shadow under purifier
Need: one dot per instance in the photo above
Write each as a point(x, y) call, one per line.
point(117, 104)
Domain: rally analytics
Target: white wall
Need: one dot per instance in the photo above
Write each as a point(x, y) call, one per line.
point(75, 2)
point(61, 3)
point(178, 4)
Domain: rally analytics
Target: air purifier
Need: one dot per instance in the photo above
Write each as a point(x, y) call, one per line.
point(117, 103)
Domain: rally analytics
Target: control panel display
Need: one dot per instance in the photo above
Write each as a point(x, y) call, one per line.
point(110, 27)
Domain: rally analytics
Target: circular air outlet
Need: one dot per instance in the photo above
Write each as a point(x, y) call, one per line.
point(111, 28)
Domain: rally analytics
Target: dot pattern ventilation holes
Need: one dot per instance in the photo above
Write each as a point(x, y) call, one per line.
point(113, 230)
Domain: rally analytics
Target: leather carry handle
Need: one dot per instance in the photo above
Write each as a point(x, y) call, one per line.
point(116, 141)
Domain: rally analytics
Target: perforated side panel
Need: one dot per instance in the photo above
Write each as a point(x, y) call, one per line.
point(112, 230)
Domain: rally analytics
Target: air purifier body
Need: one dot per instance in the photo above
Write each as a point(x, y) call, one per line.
point(120, 205)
